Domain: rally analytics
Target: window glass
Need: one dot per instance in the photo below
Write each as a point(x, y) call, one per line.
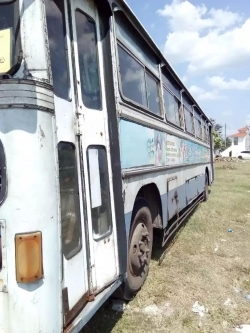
point(9, 36)
point(153, 94)
point(88, 61)
point(170, 82)
point(132, 78)
point(235, 141)
point(70, 205)
point(198, 128)
point(171, 108)
point(204, 133)
point(189, 121)
point(57, 44)
point(130, 37)
point(99, 191)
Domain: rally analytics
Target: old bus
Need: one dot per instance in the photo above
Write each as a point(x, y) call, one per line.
point(100, 143)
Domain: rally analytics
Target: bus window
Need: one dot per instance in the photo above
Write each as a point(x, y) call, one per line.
point(204, 133)
point(57, 44)
point(10, 45)
point(171, 108)
point(189, 121)
point(132, 78)
point(99, 191)
point(70, 205)
point(197, 128)
point(88, 60)
point(153, 94)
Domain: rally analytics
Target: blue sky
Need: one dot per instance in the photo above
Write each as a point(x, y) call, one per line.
point(208, 44)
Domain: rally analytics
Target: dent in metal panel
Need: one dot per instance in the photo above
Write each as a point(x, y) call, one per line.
point(173, 198)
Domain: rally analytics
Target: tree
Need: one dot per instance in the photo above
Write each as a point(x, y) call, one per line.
point(218, 142)
point(217, 135)
point(217, 127)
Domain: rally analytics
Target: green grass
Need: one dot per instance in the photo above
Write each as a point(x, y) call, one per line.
point(206, 263)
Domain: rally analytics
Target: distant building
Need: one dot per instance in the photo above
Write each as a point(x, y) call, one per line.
point(240, 142)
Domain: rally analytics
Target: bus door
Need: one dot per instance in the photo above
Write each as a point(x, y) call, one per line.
point(73, 222)
point(93, 127)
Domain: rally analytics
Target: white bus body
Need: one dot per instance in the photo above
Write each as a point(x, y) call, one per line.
point(100, 142)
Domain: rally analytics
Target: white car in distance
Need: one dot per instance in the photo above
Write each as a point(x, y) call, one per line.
point(244, 155)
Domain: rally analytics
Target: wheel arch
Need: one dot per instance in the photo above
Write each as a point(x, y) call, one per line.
point(150, 193)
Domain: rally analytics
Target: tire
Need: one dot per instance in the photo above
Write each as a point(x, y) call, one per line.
point(205, 193)
point(139, 248)
point(240, 158)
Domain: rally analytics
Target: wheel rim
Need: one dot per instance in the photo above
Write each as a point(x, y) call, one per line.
point(139, 250)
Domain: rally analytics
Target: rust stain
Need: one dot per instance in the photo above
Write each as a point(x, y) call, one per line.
point(41, 132)
point(91, 298)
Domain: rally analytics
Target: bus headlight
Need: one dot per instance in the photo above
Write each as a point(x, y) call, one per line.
point(29, 266)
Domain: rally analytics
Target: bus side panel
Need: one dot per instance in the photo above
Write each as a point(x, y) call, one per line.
point(174, 198)
point(31, 205)
point(175, 164)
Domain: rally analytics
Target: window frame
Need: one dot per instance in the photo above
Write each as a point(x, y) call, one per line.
point(236, 144)
point(200, 128)
point(97, 237)
point(76, 250)
point(158, 83)
point(179, 108)
point(207, 127)
point(192, 121)
point(146, 71)
point(77, 63)
point(66, 29)
point(205, 131)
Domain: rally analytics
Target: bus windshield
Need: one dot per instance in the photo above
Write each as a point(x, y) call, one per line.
point(9, 36)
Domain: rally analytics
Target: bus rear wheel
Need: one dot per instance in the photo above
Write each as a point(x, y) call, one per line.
point(139, 248)
point(205, 193)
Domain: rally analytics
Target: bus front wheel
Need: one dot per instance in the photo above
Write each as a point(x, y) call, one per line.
point(139, 248)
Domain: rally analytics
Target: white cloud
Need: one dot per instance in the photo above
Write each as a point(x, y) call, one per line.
point(206, 39)
point(184, 16)
point(203, 95)
point(226, 113)
point(184, 79)
point(220, 83)
point(248, 119)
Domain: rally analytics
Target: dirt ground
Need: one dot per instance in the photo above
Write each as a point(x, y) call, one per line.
point(205, 263)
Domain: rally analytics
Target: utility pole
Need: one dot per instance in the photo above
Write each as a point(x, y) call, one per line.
point(225, 136)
